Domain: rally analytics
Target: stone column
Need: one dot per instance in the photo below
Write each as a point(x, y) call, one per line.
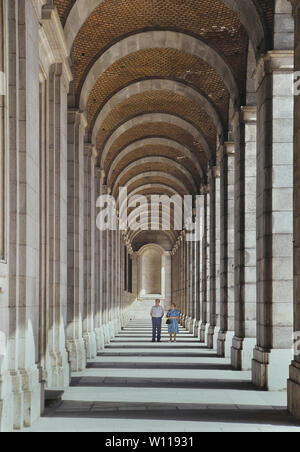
point(53, 229)
point(189, 284)
point(89, 243)
point(182, 280)
point(244, 341)
point(294, 381)
point(186, 281)
point(205, 287)
point(199, 270)
point(192, 287)
point(111, 282)
point(168, 285)
point(98, 256)
point(272, 355)
point(227, 250)
point(105, 281)
point(75, 341)
point(118, 238)
point(214, 302)
point(198, 273)
point(20, 388)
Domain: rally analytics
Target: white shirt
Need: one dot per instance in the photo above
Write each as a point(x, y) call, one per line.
point(157, 313)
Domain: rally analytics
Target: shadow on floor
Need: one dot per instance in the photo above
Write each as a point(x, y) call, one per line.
point(223, 414)
point(153, 347)
point(165, 366)
point(158, 355)
point(167, 383)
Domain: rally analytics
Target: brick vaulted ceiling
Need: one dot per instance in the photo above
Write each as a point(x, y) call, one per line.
point(112, 21)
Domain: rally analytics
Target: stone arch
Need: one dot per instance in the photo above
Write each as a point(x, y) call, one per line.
point(161, 238)
point(134, 234)
point(153, 141)
point(136, 193)
point(154, 186)
point(152, 160)
point(155, 117)
point(141, 188)
point(159, 85)
point(247, 12)
point(158, 39)
point(159, 174)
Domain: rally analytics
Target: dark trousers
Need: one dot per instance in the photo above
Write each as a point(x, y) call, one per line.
point(156, 328)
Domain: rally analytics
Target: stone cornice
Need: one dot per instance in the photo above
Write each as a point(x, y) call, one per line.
point(273, 61)
point(249, 114)
point(204, 189)
point(52, 44)
point(213, 172)
point(127, 242)
point(229, 148)
point(77, 117)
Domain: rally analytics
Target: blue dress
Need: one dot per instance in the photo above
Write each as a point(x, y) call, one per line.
point(173, 326)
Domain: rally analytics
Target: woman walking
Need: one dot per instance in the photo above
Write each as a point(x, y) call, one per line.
point(173, 316)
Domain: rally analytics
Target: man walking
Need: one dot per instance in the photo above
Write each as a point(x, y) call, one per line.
point(157, 313)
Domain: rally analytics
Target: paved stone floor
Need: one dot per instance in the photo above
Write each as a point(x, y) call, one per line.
point(139, 386)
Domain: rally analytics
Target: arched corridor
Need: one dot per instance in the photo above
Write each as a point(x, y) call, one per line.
point(149, 150)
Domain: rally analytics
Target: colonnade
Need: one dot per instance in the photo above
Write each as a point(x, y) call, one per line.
point(63, 294)
point(244, 270)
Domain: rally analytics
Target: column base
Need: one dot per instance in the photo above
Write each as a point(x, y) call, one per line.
point(111, 327)
point(197, 329)
point(32, 395)
point(203, 333)
point(117, 328)
point(57, 370)
point(100, 340)
point(224, 344)
point(26, 397)
point(90, 345)
point(188, 323)
point(192, 326)
point(294, 390)
point(183, 321)
point(212, 337)
point(242, 353)
point(6, 401)
point(77, 354)
point(270, 369)
point(107, 337)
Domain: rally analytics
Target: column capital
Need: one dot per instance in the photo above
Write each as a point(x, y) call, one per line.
point(246, 115)
point(213, 172)
point(249, 114)
point(53, 47)
point(78, 118)
point(295, 6)
point(106, 190)
point(204, 189)
point(229, 148)
point(273, 61)
point(88, 150)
